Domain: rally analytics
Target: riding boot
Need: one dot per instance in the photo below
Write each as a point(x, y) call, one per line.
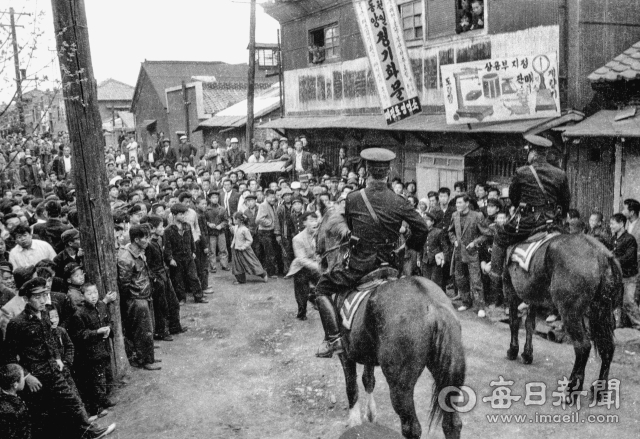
point(332, 343)
point(498, 254)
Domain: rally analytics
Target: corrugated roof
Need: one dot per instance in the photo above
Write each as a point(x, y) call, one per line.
point(603, 124)
point(114, 90)
point(220, 96)
point(426, 123)
point(625, 66)
point(166, 74)
point(236, 115)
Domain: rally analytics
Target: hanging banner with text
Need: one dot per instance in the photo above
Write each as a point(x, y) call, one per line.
point(522, 87)
point(390, 63)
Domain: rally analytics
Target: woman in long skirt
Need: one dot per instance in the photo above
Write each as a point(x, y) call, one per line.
point(244, 260)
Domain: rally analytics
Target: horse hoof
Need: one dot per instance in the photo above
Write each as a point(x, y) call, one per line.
point(527, 358)
point(512, 354)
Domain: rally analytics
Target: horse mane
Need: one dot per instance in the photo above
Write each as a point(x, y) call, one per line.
point(331, 232)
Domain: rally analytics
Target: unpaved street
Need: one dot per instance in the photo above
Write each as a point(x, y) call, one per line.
point(246, 369)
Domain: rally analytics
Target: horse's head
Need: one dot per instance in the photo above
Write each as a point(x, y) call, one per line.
point(332, 237)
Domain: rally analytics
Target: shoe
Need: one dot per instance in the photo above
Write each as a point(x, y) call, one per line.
point(303, 318)
point(208, 291)
point(182, 330)
point(150, 366)
point(328, 348)
point(101, 432)
point(103, 413)
point(482, 314)
point(157, 361)
point(552, 318)
point(167, 338)
point(462, 308)
point(202, 301)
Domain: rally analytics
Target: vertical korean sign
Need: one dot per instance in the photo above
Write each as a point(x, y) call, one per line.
point(383, 39)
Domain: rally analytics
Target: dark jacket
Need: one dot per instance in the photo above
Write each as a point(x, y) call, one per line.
point(65, 307)
point(65, 345)
point(15, 422)
point(157, 259)
point(187, 150)
point(216, 215)
point(307, 162)
point(234, 199)
point(525, 189)
point(168, 158)
point(377, 240)
point(251, 215)
point(296, 222)
point(90, 346)
point(177, 246)
point(133, 274)
point(62, 259)
point(29, 176)
point(236, 156)
point(437, 242)
point(51, 232)
point(284, 219)
point(445, 220)
point(57, 166)
point(466, 229)
point(625, 249)
point(32, 341)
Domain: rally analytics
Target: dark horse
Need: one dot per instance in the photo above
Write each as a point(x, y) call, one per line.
point(584, 281)
point(405, 326)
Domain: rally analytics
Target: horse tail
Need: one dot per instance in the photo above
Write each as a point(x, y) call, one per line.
point(608, 297)
point(446, 360)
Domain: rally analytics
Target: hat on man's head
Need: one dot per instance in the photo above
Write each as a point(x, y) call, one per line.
point(295, 185)
point(378, 157)
point(166, 140)
point(69, 235)
point(250, 197)
point(183, 137)
point(304, 178)
point(538, 141)
point(34, 286)
point(71, 268)
point(284, 139)
point(234, 140)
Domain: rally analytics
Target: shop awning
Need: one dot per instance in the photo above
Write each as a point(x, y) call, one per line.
point(604, 124)
point(261, 168)
point(426, 123)
point(148, 123)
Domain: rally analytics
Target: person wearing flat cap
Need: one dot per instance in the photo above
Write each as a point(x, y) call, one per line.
point(72, 252)
point(374, 216)
point(30, 343)
point(540, 192)
point(165, 153)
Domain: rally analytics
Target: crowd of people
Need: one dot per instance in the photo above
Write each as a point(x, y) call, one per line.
point(178, 216)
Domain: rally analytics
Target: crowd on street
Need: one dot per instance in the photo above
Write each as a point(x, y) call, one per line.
point(180, 214)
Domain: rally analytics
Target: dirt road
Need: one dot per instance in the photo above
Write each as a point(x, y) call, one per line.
point(246, 369)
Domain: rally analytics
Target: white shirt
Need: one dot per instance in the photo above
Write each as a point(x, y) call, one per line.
point(631, 226)
point(38, 251)
point(253, 159)
point(299, 167)
point(67, 164)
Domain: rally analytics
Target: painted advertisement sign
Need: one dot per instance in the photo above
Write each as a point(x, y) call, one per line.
point(383, 39)
point(519, 87)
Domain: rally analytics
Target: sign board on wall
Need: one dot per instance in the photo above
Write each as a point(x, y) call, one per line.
point(519, 87)
point(384, 41)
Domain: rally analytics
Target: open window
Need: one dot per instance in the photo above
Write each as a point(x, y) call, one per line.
point(324, 43)
point(470, 15)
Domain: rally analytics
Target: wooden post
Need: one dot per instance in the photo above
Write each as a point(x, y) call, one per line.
point(185, 98)
point(16, 61)
point(251, 83)
point(88, 164)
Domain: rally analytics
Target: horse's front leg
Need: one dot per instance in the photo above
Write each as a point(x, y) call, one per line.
point(530, 325)
point(514, 320)
point(351, 380)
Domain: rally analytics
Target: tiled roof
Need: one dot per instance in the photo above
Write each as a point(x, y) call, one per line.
point(114, 90)
point(625, 66)
point(166, 74)
point(220, 95)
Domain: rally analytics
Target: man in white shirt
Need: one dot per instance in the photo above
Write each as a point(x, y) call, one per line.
point(29, 251)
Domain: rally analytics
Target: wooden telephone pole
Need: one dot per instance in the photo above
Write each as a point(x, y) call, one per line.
point(87, 145)
point(251, 83)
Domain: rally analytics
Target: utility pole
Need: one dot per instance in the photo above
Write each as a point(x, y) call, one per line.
point(251, 82)
point(89, 171)
point(185, 98)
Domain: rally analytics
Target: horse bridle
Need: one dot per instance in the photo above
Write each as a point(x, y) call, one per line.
point(332, 249)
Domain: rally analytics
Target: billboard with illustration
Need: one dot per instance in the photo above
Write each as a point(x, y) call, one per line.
point(519, 87)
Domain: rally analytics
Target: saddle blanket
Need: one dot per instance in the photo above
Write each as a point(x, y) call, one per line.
point(523, 252)
point(350, 306)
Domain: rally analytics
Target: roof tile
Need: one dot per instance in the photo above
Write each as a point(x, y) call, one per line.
point(625, 66)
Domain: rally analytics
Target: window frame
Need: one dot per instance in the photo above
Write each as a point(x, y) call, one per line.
point(419, 16)
point(331, 52)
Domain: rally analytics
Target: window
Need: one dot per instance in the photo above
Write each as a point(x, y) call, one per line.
point(324, 43)
point(470, 15)
point(411, 14)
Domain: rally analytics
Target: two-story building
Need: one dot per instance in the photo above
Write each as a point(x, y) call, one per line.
point(333, 98)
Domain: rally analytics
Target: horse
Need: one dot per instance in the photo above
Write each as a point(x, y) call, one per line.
point(580, 276)
point(405, 326)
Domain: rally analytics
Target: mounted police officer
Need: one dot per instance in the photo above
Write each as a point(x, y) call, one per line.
point(374, 216)
point(540, 193)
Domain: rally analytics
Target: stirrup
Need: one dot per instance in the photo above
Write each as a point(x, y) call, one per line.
point(328, 348)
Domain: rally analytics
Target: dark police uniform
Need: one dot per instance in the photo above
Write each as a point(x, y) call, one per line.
point(375, 241)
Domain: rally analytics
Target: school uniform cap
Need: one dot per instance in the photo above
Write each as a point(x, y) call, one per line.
point(213, 192)
point(234, 140)
point(251, 197)
point(378, 156)
point(70, 268)
point(295, 185)
point(160, 204)
point(284, 139)
point(538, 141)
point(69, 235)
point(183, 137)
point(166, 140)
point(304, 178)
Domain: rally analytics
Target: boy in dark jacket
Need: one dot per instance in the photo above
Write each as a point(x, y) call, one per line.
point(90, 330)
point(14, 417)
point(65, 346)
point(435, 253)
point(625, 249)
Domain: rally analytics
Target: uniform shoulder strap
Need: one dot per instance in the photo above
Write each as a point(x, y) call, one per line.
point(369, 207)
point(535, 175)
